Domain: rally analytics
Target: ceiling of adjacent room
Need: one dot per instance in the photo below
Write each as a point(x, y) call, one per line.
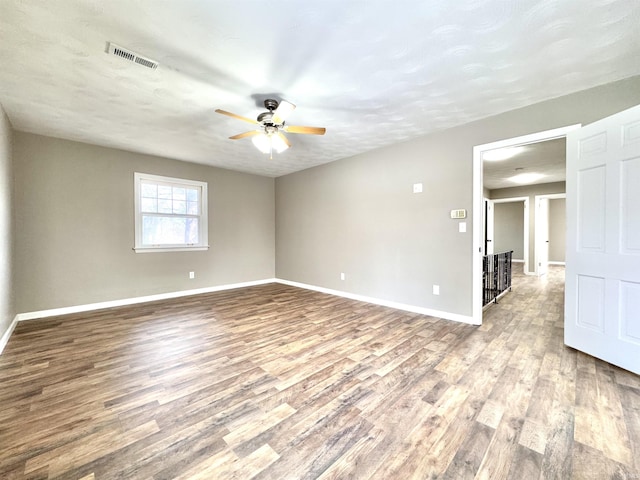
point(545, 158)
point(373, 73)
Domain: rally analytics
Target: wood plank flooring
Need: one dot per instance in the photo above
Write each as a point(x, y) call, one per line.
point(274, 382)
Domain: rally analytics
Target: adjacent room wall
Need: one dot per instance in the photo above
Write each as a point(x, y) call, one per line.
point(508, 228)
point(359, 215)
point(7, 231)
point(557, 229)
point(530, 191)
point(75, 220)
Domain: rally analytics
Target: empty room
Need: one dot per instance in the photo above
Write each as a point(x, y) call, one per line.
point(319, 240)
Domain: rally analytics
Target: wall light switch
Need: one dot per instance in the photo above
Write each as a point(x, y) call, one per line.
point(436, 289)
point(192, 275)
point(462, 227)
point(342, 276)
point(417, 188)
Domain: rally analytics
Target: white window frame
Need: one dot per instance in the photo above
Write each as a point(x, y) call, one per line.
point(203, 230)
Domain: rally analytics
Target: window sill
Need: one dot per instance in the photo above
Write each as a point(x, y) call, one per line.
point(170, 249)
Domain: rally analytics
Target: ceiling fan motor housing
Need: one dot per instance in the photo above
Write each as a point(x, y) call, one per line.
point(271, 104)
point(266, 118)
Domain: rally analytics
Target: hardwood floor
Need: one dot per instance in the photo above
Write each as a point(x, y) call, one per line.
point(274, 382)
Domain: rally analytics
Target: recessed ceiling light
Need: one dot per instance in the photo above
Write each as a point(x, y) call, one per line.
point(501, 153)
point(527, 177)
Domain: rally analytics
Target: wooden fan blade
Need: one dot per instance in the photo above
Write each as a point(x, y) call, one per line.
point(283, 111)
point(284, 139)
point(307, 130)
point(245, 135)
point(233, 115)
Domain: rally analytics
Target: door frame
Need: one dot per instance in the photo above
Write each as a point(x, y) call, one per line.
point(478, 197)
point(488, 227)
point(525, 219)
point(548, 196)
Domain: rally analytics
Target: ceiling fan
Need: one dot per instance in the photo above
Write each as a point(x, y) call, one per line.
point(268, 136)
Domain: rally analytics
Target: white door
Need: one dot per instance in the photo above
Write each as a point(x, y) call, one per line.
point(490, 228)
point(602, 296)
point(542, 235)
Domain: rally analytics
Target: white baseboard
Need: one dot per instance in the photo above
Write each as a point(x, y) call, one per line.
point(5, 336)
point(556, 263)
point(165, 296)
point(130, 301)
point(516, 260)
point(385, 303)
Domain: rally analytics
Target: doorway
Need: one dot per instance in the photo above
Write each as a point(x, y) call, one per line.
point(511, 228)
point(549, 233)
point(479, 195)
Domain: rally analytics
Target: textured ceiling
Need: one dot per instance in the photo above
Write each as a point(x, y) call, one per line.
point(546, 158)
point(373, 72)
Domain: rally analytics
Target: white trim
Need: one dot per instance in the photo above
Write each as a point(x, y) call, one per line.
point(556, 263)
point(170, 249)
point(7, 334)
point(385, 303)
point(203, 221)
point(517, 260)
point(130, 301)
point(478, 195)
point(536, 219)
point(165, 296)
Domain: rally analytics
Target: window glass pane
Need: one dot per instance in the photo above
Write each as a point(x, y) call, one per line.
point(192, 194)
point(149, 190)
point(179, 207)
point(165, 206)
point(192, 208)
point(164, 191)
point(169, 230)
point(149, 205)
point(192, 230)
point(179, 193)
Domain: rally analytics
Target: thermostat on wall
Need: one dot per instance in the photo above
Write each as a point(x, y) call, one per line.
point(459, 213)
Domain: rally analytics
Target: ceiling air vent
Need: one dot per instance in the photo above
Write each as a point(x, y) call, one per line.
point(117, 50)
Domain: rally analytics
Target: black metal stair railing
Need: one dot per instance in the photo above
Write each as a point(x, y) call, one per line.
point(496, 276)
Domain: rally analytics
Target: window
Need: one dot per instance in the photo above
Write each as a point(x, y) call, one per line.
point(170, 214)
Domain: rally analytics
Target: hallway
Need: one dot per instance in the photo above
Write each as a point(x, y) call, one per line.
point(583, 415)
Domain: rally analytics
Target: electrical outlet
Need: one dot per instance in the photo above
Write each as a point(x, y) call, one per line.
point(436, 289)
point(417, 188)
point(192, 275)
point(342, 276)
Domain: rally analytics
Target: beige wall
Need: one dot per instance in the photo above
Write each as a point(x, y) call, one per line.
point(530, 191)
point(74, 226)
point(508, 228)
point(359, 216)
point(557, 229)
point(7, 304)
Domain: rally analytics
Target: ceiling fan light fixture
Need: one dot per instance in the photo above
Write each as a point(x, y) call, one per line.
point(267, 143)
point(278, 143)
point(523, 178)
point(262, 142)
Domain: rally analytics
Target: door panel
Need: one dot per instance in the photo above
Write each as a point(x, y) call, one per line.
point(602, 294)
